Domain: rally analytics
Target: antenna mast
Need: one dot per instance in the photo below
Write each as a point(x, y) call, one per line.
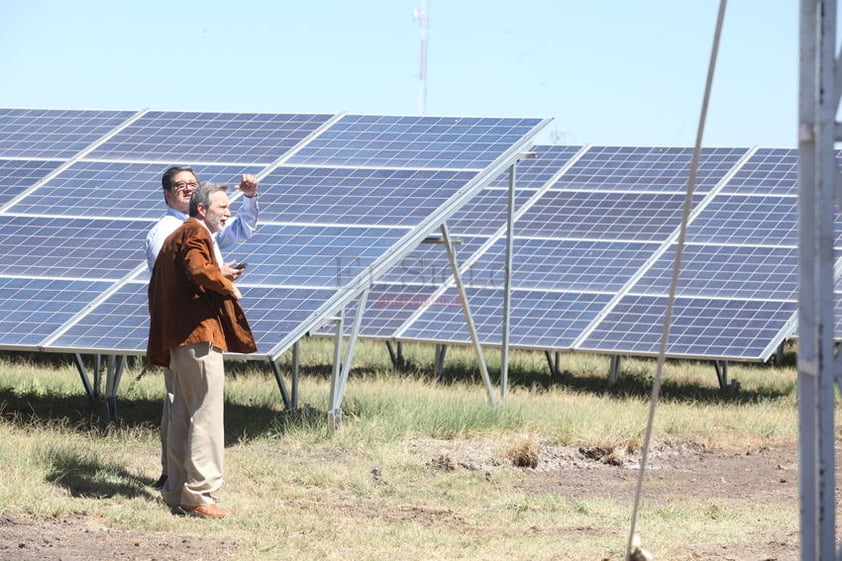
point(421, 15)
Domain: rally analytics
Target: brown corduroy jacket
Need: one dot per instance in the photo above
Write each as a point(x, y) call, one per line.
point(190, 301)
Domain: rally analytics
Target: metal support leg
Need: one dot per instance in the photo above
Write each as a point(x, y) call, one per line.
point(554, 363)
point(341, 370)
point(97, 375)
point(731, 387)
point(396, 355)
point(296, 372)
point(116, 365)
point(279, 378)
point(466, 310)
point(83, 373)
point(614, 372)
point(441, 353)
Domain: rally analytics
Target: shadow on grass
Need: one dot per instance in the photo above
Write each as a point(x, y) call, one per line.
point(245, 422)
point(628, 385)
point(85, 475)
point(85, 416)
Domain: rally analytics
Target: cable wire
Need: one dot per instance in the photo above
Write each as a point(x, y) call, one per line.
point(688, 204)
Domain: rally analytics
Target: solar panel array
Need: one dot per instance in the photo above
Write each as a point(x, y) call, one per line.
point(342, 197)
point(346, 201)
point(595, 238)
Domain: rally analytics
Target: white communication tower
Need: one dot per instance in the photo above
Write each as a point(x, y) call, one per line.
point(421, 15)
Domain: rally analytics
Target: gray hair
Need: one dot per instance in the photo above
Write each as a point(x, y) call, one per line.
point(202, 195)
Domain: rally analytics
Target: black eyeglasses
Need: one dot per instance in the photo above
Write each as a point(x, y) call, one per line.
point(184, 185)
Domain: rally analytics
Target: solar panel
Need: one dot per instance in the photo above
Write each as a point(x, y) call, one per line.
point(413, 142)
point(323, 256)
point(723, 271)
point(748, 219)
point(701, 327)
point(428, 264)
point(651, 169)
point(33, 308)
point(113, 189)
point(324, 230)
point(362, 196)
point(50, 133)
point(18, 175)
point(552, 264)
point(119, 323)
point(346, 201)
point(388, 306)
point(71, 248)
point(603, 215)
point(740, 257)
point(535, 317)
point(537, 171)
point(487, 212)
point(606, 230)
point(178, 137)
point(769, 171)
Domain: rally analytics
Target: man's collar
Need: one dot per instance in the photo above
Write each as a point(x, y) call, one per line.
point(177, 213)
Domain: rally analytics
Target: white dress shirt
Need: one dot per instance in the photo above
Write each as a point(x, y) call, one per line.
point(240, 228)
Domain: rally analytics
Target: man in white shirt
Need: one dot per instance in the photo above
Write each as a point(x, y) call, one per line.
point(178, 184)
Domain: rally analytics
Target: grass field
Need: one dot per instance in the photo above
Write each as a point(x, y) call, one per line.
point(421, 468)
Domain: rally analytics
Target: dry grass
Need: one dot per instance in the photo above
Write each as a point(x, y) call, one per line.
point(421, 468)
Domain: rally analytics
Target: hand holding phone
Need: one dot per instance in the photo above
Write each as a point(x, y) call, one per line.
point(241, 265)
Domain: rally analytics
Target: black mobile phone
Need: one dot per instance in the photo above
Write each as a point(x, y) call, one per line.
point(241, 265)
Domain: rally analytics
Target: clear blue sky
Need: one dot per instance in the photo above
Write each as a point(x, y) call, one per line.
point(614, 72)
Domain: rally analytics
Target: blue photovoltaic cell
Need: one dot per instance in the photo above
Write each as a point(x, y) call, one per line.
point(572, 265)
point(319, 229)
point(314, 256)
point(660, 169)
point(119, 323)
point(18, 175)
point(385, 197)
point(414, 142)
point(428, 264)
point(536, 172)
point(180, 137)
point(54, 133)
point(486, 212)
point(116, 190)
point(539, 319)
point(603, 215)
point(31, 309)
point(747, 219)
point(388, 306)
point(769, 171)
point(324, 225)
point(726, 272)
point(585, 242)
point(706, 328)
point(71, 247)
point(274, 312)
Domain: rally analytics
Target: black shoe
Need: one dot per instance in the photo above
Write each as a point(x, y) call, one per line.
point(160, 483)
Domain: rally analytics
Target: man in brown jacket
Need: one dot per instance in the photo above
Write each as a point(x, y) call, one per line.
point(195, 314)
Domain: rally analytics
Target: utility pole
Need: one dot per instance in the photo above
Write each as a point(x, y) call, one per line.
point(818, 366)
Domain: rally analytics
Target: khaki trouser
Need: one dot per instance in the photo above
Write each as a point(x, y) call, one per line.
point(196, 434)
point(165, 416)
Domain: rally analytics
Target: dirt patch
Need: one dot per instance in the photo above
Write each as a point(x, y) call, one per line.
point(764, 476)
point(77, 538)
